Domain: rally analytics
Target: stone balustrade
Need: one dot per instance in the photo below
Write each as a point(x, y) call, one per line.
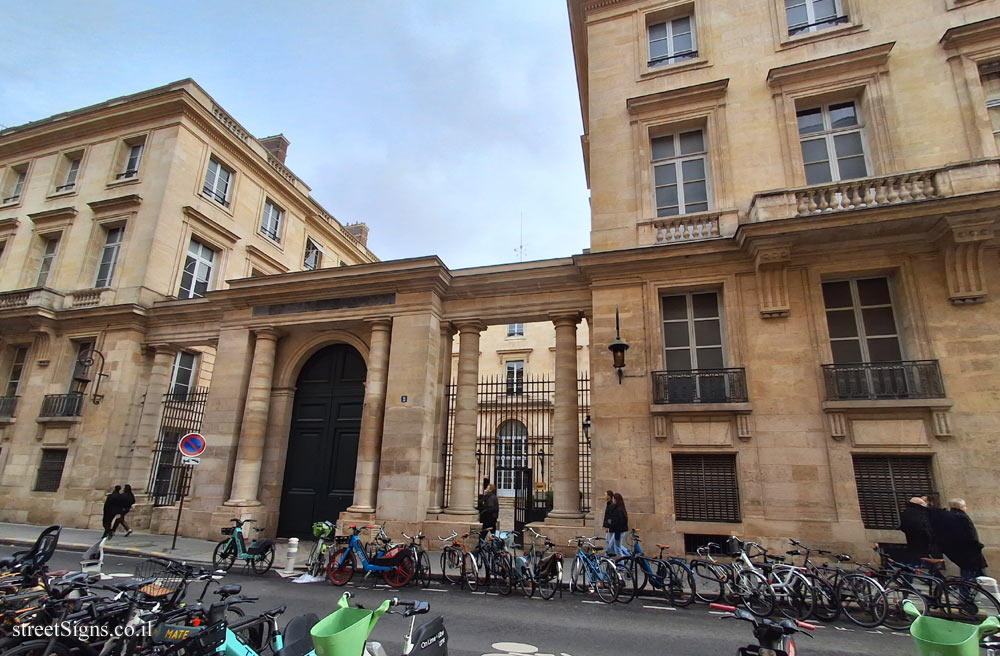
point(230, 123)
point(37, 297)
point(695, 227)
point(86, 298)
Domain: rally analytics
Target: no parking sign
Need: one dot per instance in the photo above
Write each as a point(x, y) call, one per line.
point(191, 446)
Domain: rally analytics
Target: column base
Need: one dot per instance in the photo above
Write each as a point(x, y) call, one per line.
point(460, 514)
point(562, 515)
point(242, 503)
point(434, 510)
point(360, 508)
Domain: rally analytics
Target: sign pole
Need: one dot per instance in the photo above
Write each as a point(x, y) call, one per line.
point(185, 484)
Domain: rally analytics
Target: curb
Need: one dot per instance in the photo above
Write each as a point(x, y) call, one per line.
point(117, 551)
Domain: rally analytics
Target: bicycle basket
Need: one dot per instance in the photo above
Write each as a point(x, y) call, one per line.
point(323, 529)
point(507, 537)
point(341, 539)
point(733, 546)
point(167, 581)
point(228, 530)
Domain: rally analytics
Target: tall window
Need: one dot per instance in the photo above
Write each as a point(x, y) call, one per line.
point(512, 455)
point(515, 330)
point(991, 86)
point(50, 470)
point(813, 15)
point(131, 162)
point(705, 488)
point(197, 274)
point(217, 181)
point(313, 256)
point(72, 171)
point(515, 377)
point(861, 321)
point(48, 257)
point(16, 185)
point(671, 41)
point(832, 143)
point(16, 371)
point(270, 224)
point(182, 378)
point(109, 256)
point(692, 340)
point(680, 173)
point(885, 483)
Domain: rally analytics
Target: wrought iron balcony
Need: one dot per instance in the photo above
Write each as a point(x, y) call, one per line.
point(8, 404)
point(700, 386)
point(62, 405)
point(912, 379)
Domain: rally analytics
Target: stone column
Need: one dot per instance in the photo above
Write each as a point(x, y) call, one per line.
point(370, 440)
point(250, 453)
point(463, 459)
point(141, 460)
point(565, 433)
point(441, 421)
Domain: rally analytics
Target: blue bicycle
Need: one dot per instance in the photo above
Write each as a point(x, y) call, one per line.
point(395, 565)
point(592, 572)
point(671, 575)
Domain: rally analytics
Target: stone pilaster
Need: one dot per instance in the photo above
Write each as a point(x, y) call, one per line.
point(441, 420)
point(565, 433)
point(463, 459)
point(372, 416)
point(152, 410)
point(963, 240)
point(250, 453)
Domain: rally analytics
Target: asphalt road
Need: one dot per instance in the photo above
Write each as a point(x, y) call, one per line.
point(488, 624)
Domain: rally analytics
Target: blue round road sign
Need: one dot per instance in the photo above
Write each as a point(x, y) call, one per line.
point(192, 445)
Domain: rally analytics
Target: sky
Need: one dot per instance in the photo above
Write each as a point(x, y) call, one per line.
point(439, 123)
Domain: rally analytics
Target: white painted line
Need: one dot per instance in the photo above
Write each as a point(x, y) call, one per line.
point(661, 607)
point(841, 628)
point(591, 601)
point(718, 612)
point(432, 590)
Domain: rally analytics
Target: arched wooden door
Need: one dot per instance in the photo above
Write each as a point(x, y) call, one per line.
point(323, 443)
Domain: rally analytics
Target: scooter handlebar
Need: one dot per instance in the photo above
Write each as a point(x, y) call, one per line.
point(805, 625)
point(724, 607)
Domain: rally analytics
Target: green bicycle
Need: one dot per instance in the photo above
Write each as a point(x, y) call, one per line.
point(259, 555)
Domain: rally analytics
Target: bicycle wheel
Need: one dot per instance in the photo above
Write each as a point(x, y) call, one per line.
point(640, 576)
point(547, 585)
point(578, 577)
point(263, 563)
point(626, 570)
point(524, 581)
point(451, 564)
point(423, 573)
point(752, 590)
point(401, 574)
point(796, 598)
point(709, 585)
point(862, 600)
point(965, 601)
point(224, 555)
point(895, 618)
point(682, 589)
point(470, 572)
point(502, 574)
point(609, 583)
point(827, 603)
point(340, 569)
point(39, 648)
point(314, 563)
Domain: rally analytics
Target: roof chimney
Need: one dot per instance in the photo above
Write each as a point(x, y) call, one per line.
point(360, 232)
point(276, 145)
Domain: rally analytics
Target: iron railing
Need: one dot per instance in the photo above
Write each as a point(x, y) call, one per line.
point(911, 379)
point(8, 404)
point(700, 386)
point(182, 414)
point(62, 405)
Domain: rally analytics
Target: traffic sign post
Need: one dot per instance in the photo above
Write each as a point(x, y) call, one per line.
point(191, 446)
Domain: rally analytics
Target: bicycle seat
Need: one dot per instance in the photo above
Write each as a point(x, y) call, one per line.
point(843, 558)
point(779, 559)
point(794, 552)
point(662, 546)
point(933, 561)
point(297, 641)
point(229, 590)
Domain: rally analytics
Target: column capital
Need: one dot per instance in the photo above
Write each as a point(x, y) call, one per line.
point(469, 325)
point(448, 329)
point(267, 333)
point(382, 324)
point(161, 347)
point(565, 318)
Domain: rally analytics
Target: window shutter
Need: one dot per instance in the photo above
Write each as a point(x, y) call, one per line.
point(50, 470)
point(705, 488)
point(886, 482)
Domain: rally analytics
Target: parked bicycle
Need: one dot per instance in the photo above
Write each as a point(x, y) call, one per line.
point(592, 572)
point(539, 571)
point(858, 596)
point(259, 555)
point(326, 534)
point(671, 576)
point(421, 561)
point(395, 566)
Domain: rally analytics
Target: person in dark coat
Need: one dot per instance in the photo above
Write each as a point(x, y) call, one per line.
point(963, 546)
point(127, 500)
point(619, 523)
point(915, 523)
point(112, 503)
point(609, 537)
point(490, 510)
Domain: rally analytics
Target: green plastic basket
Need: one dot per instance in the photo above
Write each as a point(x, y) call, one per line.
point(939, 637)
point(344, 631)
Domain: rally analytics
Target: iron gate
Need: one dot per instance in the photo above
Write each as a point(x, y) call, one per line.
point(514, 442)
point(182, 414)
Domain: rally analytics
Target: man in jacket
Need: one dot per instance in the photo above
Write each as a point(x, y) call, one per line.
point(490, 511)
point(963, 546)
point(915, 523)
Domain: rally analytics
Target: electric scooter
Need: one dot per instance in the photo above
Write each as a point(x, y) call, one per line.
point(773, 638)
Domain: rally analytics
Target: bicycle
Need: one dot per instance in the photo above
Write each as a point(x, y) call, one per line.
point(452, 556)
point(396, 565)
point(421, 561)
point(672, 576)
point(592, 572)
point(539, 570)
point(856, 595)
point(326, 534)
point(712, 577)
point(747, 584)
point(346, 630)
point(260, 554)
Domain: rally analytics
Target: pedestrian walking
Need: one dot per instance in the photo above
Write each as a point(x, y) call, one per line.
point(915, 523)
point(112, 503)
point(490, 510)
point(127, 501)
point(619, 523)
point(609, 537)
point(962, 545)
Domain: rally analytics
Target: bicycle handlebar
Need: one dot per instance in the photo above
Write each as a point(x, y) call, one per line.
point(454, 534)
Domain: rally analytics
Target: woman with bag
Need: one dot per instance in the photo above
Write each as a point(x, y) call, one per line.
point(619, 524)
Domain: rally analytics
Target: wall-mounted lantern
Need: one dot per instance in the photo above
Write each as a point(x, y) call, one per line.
point(82, 376)
point(618, 348)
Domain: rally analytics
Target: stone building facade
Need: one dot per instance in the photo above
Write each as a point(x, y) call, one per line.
point(792, 217)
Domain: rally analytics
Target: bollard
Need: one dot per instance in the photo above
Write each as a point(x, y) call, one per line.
point(290, 553)
point(990, 585)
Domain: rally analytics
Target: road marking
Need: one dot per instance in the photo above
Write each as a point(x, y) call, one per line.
point(591, 601)
point(660, 607)
point(718, 612)
point(841, 628)
point(433, 590)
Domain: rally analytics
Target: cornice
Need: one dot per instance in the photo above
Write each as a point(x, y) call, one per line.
point(707, 91)
point(984, 30)
point(9, 226)
point(267, 259)
point(873, 57)
point(220, 231)
point(129, 202)
point(53, 218)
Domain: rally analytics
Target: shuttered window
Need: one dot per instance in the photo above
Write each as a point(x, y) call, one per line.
point(50, 470)
point(705, 488)
point(886, 482)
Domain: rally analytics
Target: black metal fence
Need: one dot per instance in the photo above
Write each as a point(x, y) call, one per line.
point(8, 405)
point(182, 414)
point(700, 386)
point(913, 379)
point(62, 405)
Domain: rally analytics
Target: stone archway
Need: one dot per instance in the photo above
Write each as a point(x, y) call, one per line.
point(320, 462)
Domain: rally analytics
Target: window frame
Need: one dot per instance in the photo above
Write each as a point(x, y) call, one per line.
point(829, 134)
point(14, 181)
point(706, 485)
point(116, 249)
point(19, 366)
point(862, 336)
point(692, 346)
point(672, 55)
point(191, 292)
point(840, 18)
point(319, 255)
point(677, 161)
point(121, 171)
point(274, 235)
point(42, 468)
point(212, 192)
point(515, 330)
point(865, 498)
point(47, 258)
point(514, 384)
point(175, 370)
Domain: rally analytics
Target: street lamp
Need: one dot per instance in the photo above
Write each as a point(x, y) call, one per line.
point(618, 348)
point(81, 378)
